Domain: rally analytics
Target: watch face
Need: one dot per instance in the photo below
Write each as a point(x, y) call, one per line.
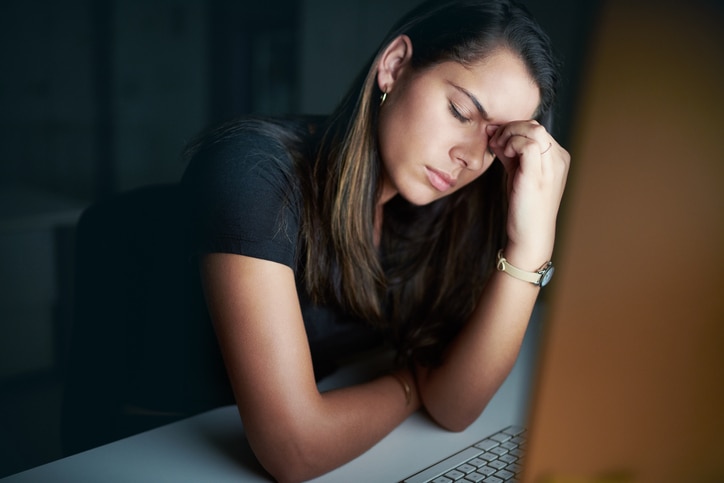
point(546, 276)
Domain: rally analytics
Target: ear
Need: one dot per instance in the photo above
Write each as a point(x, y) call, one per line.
point(393, 61)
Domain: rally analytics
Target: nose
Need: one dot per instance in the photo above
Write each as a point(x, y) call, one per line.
point(472, 151)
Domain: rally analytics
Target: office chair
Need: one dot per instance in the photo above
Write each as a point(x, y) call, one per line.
point(142, 350)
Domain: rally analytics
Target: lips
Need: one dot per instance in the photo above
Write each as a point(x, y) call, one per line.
point(439, 180)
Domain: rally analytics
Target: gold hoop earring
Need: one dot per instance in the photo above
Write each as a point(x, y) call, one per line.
point(383, 97)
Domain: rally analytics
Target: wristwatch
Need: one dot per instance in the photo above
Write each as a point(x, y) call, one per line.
point(540, 277)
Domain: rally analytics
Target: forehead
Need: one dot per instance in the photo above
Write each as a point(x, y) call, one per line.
point(500, 82)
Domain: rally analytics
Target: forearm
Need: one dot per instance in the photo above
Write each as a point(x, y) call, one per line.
point(481, 356)
point(295, 432)
point(334, 428)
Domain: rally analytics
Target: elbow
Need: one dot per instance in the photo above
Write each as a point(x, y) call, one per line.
point(458, 426)
point(454, 415)
point(452, 410)
point(290, 472)
point(287, 474)
point(455, 422)
point(288, 461)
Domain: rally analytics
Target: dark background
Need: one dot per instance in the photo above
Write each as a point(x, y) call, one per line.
point(98, 97)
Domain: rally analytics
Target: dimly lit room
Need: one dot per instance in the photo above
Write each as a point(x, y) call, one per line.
point(101, 98)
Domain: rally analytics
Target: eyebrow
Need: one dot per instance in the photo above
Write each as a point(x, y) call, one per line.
point(474, 100)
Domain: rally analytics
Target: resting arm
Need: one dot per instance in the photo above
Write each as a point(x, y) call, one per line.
point(295, 432)
point(481, 356)
point(479, 359)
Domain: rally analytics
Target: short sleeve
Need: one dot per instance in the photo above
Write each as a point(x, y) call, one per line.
point(244, 197)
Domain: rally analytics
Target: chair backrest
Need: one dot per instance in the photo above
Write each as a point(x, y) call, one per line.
point(142, 350)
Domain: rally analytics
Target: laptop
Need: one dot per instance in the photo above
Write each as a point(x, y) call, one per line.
point(629, 384)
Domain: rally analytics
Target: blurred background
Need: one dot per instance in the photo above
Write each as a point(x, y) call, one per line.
point(100, 96)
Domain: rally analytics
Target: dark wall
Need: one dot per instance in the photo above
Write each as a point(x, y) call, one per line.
point(98, 97)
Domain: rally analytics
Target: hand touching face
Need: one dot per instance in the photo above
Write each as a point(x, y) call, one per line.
point(433, 126)
point(537, 169)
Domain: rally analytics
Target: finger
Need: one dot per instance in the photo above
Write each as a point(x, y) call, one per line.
point(510, 163)
point(507, 162)
point(530, 130)
point(525, 149)
point(550, 163)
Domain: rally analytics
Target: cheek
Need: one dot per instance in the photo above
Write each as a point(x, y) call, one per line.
point(412, 115)
point(401, 134)
point(387, 138)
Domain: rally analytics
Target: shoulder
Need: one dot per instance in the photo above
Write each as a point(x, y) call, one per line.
point(237, 147)
point(247, 156)
point(244, 191)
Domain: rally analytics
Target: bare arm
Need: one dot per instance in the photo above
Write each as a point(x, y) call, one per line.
point(295, 432)
point(481, 356)
point(479, 359)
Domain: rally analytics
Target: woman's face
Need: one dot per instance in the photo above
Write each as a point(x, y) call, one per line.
point(432, 125)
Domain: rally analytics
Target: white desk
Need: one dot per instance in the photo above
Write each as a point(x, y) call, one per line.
point(211, 447)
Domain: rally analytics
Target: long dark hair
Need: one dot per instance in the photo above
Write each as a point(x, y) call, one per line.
point(434, 260)
point(424, 280)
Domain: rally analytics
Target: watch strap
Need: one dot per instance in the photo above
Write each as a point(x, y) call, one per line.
point(504, 265)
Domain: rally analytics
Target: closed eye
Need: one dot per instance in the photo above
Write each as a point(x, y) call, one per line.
point(456, 113)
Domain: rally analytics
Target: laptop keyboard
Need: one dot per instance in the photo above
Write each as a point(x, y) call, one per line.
point(495, 459)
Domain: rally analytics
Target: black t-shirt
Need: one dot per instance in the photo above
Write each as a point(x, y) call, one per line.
point(245, 198)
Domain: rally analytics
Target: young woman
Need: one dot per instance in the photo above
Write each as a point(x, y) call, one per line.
point(384, 222)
